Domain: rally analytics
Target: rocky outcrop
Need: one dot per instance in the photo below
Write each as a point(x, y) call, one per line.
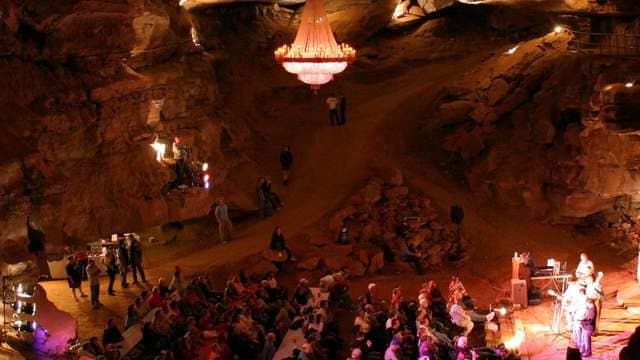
point(526, 136)
point(81, 106)
point(373, 216)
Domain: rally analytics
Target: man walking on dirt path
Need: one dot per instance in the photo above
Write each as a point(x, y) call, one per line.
point(332, 103)
point(225, 227)
point(286, 161)
point(343, 108)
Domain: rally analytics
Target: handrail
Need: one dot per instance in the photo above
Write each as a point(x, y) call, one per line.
point(610, 44)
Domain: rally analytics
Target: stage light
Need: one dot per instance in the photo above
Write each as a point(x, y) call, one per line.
point(515, 342)
point(205, 166)
point(558, 29)
point(512, 50)
point(160, 150)
point(24, 291)
point(22, 307)
point(629, 84)
point(502, 311)
point(25, 326)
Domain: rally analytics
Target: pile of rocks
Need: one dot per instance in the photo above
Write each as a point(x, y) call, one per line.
point(373, 216)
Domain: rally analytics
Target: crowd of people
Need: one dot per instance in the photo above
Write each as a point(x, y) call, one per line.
point(248, 319)
point(433, 326)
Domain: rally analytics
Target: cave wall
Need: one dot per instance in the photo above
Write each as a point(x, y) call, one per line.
point(85, 87)
point(536, 129)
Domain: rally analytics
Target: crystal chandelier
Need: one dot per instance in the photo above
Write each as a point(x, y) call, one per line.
point(315, 56)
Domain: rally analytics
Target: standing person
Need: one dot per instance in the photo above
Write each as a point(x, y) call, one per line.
point(74, 277)
point(262, 197)
point(93, 274)
point(82, 259)
point(332, 103)
point(587, 327)
point(457, 216)
point(579, 310)
point(123, 259)
point(585, 269)
point(112, 269)
point(179, 156)
point(343, 108)
point(286, 161)
point(596, 293)
point(135, 256)
point(225, 226)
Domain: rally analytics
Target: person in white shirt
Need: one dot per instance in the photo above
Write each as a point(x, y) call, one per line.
point(585, 268)
point(332, 103)
point(464, 320)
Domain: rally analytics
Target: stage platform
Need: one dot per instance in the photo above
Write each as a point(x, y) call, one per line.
point(532, 325)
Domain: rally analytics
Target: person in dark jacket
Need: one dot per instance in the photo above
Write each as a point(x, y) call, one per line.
point(342, 100)
point(272, 198)
point(74, 277)
point(112, 334)
point(278, 244)
point(263, 202)
point(112, 269)
point(135, 256)
point(123, 259)
point(286, 161)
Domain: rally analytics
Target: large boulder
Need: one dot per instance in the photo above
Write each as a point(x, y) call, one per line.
point(356, 268)
point(309, 264)
point(261, 269)
point(335, 262)
point(376, 262)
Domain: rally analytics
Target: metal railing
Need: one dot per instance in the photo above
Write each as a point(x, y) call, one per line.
point(610, 44)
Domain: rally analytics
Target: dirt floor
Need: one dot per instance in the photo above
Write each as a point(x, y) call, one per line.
point(332, 162)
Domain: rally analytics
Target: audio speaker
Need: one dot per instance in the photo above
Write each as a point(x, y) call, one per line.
point(519, 292)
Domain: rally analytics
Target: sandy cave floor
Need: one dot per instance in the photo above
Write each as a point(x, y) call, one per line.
point(330, 164)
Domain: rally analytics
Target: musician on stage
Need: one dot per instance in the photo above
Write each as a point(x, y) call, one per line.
point(595, 292)
point(585, 269)
point(570, 298)
point(584, 327)
point(578, 309)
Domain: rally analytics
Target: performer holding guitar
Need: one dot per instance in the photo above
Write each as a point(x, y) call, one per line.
point(595, 293)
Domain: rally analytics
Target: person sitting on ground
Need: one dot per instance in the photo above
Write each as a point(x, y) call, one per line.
point(303, 295)
point(111, 335)
point(408, 255)
point(462, 350)
point(155, 300)
point(164, 289)
point(272, 198)
point(393, 352)
point(141, 303)
point(132, 317)
point(278, 243)
point(176, 284)
point(93, 347)
point(465, 320)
